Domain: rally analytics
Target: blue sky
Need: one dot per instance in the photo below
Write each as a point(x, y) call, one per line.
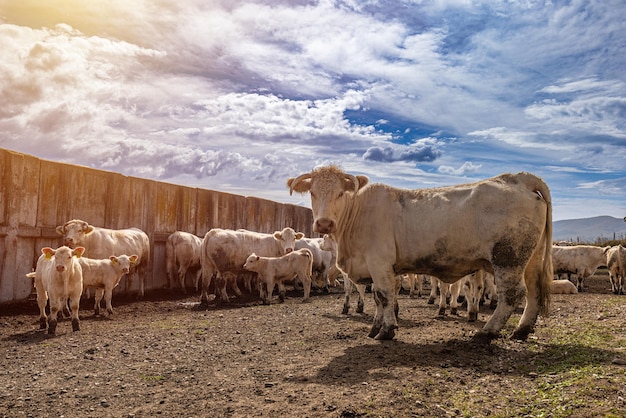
point(238, 96)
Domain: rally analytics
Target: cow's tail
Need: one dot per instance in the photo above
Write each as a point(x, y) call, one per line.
point(546, 274)
point(170, 262)
point(208, 269)
point(310, 267)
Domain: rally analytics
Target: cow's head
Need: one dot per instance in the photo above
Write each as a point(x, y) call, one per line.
point(124, 262)
point(74, 232)
point(62, 256)
point(331, 191)
point(251, 262)
point(287, 239)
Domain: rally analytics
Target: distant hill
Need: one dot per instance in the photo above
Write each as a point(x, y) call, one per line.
point(589, 229)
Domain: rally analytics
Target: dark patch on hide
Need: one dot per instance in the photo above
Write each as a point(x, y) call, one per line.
point(363, 280)
point(516, 248)
point(508, 253)
point(513, 296)
point(382, 298)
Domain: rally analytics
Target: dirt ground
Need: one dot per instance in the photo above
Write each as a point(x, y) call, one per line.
point(166, 356)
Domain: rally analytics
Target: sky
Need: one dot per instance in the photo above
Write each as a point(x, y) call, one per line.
point(238, 96)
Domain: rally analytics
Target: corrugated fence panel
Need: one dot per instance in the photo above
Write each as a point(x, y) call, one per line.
point(37, 195)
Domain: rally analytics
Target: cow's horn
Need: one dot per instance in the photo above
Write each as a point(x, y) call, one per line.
point(298, 180)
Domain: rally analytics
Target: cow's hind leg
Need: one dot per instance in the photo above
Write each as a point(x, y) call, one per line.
point(347, 289)
point(98, 300)
point(360, 305)
point(511, 290)
point(75, 304)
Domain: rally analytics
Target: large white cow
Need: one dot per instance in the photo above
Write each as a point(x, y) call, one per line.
point(275, 270)
point(502, 225)
point(58, 277)
point(104, 275)
point(224, 252)
point(182, 254)
point(582, 260)
point(101, 243)
point(616, 262)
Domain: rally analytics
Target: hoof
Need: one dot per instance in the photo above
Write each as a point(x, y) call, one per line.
point(431, 301)
point(359, 308)
point(483, 338)
point(521, 334)
point(373, 332)
point(493, 304)
point(442, 311)
point(454, 311)
point(345, 310)
point(52, 327)
point(386, 335)
point(43, 323)
point(472, 316)
point(75, 325)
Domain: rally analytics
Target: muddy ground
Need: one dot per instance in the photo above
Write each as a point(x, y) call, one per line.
point(165, 356)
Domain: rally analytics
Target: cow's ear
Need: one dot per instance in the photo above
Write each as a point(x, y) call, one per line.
point(257, 258)
point(278, 235)
point(61, 229)
point(87, 228)
point(299, 235)
point(113, 259)
point(78, 252)
point(363, 180)
point(48, 252)
point(302, 184)
point(133, 258)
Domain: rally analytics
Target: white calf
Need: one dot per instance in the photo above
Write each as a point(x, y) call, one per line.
point(58, 277)
point(563, 287)
point(105, 275)
point(274, 270)
point(474, 287)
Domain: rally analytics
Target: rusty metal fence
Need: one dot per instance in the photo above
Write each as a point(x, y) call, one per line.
point(38, 195)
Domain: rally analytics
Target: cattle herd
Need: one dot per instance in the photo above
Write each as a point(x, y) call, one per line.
point(488, 241)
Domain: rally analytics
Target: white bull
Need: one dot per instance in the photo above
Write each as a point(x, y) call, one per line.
point(502, 225)
point(104, 275)
point(582, 260)
point(224, 252)
point(101, 243)
point(182, 254)
point(275, 270)
point(58, 277)
point(616, 263)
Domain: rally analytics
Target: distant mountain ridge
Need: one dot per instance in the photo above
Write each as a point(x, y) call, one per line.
point(589, 229)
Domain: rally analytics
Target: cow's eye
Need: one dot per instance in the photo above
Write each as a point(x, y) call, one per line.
point(340, 194)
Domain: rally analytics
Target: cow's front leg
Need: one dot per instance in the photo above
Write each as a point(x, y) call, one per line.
point(386, 320)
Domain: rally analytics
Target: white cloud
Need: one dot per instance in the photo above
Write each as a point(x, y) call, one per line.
point(226, 93)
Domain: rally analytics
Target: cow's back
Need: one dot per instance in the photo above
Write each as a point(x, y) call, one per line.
point(102, 243)
point(451, 231)
point(228, 249)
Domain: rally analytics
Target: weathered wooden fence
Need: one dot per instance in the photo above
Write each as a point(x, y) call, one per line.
point(38, 195)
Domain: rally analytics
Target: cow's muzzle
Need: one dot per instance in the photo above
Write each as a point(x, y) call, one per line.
point(324, 226)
